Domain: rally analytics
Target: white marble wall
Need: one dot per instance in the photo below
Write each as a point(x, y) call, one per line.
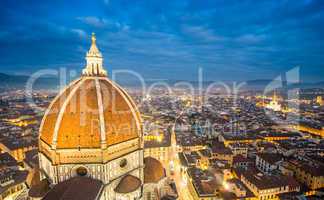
point(109, 173)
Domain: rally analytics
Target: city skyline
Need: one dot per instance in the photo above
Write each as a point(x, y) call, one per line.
point(153, 100)
point(229, 40)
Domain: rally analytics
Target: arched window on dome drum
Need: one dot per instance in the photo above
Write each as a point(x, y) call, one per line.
point(81, 171)
point(123, 163)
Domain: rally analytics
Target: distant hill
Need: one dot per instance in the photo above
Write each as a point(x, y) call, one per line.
point(12, 78)
point(260, 84)
point(20, 81)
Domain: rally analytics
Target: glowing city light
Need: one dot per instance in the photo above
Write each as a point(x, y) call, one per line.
point(225, 185)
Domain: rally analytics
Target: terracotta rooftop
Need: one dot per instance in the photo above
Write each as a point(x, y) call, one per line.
point(40, 189)
point(128, 184)
point(153, 170)
point(204, 183)
point(270, 158)
point(6, 160)
point(18, 177)
point(239, 159)
point(263, 181)
point(75, 189)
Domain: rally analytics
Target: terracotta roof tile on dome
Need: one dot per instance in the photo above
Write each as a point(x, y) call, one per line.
point(153, 170)
point(50, 117)
point(76, 188)
point(73, 120)
point(128, 184)
point(80, 122)
point(116, 106)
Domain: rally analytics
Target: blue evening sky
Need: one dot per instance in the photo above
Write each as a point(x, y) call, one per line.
point(167, 39)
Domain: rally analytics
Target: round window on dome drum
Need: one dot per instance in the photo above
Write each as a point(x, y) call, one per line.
point(82, 171)
point(123, 163)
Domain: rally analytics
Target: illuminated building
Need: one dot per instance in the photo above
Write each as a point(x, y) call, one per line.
point(309, 173)
point(11, 183)
point(202, 185)
point(158, 147)
point(18, 147)
point(12, 180)
point(205, 155)
point(223, 154)
point(266, 187)
point(187, 141)
point(319, 100)
point(235, 189)
point(243, 162)
point(21, 122)
point(268, 162)
point(239, 148)
point(243, 139)
point(91, 138)
point(316, 130)
point(274, 104)
point(198, 159)
point(275, 136)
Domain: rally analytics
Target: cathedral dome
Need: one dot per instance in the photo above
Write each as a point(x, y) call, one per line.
point(92, 112)
point(90, 138)
point(153, 170)
point(128, 184)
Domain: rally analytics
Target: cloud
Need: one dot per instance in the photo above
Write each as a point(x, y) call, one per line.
point(250, 38)
point(93, 21)
point(97, 22)
point(106, 2)
point(202, 33)
point(81, 33)
point(175, 36)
